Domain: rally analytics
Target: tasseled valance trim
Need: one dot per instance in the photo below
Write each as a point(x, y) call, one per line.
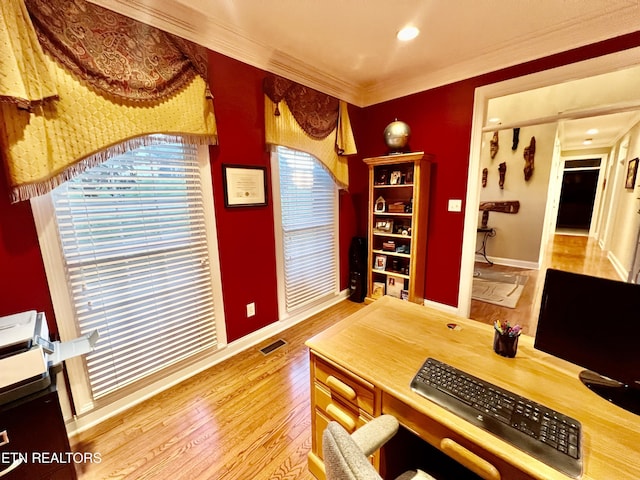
point(27, 191)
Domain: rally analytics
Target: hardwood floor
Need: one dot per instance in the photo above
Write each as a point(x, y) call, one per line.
point(249, 417)
point(573, 253)
point(246, 418)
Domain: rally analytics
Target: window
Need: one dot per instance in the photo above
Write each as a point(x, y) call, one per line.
point(306, 199)
point(135, 259)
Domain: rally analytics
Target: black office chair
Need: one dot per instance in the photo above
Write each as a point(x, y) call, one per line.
point(346, 456)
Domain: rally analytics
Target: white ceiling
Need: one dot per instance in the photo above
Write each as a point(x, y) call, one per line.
point(348, 48)
point(609, 128)
point(608, 102)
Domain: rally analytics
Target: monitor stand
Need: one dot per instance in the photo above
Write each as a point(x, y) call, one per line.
point(616, 392)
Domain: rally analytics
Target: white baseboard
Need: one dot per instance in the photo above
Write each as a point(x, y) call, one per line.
point(618, 267)
point(512, 262)
point(441, 306)
point(90, 419)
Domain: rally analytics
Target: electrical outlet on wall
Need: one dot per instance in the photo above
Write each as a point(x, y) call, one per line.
point(251, 309)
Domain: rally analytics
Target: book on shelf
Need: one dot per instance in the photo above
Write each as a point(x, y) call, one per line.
point(395, 285)
point(378, 290)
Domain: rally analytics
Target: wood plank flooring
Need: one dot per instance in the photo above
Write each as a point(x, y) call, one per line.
point(246, 418)
point(249, 417)
point(572, 253)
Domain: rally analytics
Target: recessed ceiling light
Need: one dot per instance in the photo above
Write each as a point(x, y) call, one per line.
point(408, 33)
point(588, 141)
point(592, 131)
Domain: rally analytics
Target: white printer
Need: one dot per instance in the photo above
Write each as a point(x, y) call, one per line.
point(27, 355)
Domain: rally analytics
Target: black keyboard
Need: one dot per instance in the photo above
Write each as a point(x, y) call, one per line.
point(543, 433)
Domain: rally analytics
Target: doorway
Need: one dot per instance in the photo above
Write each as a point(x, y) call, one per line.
point(577, 196)
point(588, 69)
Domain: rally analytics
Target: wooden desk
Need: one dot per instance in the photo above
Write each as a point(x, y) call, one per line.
point(362, 367)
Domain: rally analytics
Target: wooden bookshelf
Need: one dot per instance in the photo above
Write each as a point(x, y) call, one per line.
point(398, 215)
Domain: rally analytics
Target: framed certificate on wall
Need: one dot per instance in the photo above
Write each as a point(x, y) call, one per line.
point(244, 185)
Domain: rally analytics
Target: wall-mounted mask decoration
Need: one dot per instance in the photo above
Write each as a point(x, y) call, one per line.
point(502, 206)
point(502, 170)
point(516, 139)
point(529, 154)
point(494, 145)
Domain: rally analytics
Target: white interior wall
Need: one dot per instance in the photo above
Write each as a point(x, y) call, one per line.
point(625, 218)
point(518, 236)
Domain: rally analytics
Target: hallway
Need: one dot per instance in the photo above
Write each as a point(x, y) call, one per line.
point(573, 253)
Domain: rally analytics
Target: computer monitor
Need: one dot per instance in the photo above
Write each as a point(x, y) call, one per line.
point(593, 322)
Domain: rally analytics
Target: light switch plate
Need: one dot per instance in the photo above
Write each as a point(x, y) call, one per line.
point(455, 205)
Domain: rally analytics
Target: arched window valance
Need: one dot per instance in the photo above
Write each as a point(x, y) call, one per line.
point(304, 119)
point(105, 83)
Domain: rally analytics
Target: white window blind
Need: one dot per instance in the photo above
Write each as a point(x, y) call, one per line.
point(308, 208)
point(135, 250)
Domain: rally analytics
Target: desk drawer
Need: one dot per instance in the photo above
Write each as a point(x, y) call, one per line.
point(471, 455)
point(347, 387)
point(345, 415)
point(321, 420)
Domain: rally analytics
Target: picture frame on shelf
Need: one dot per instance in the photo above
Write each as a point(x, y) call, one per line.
point(395, 285)
point(380, 262)
point(382, 177)
point(378, 290)
point(380, 205)
point(384, 226)
point(396, 177)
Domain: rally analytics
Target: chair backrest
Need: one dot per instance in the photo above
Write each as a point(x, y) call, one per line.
point(343, 459)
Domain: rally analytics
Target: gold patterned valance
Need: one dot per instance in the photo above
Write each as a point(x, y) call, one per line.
point(304, 119)
point(57, 140)
point(109, 93)
point(24, 77)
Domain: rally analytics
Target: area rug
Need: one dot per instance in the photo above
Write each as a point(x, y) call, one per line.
point(498, 288)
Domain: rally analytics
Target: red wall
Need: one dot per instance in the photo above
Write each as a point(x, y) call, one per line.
point(245, 235)
point(441, 123)
point(23, 284)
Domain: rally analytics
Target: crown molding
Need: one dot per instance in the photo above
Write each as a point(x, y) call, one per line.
point(218, 37)
point(184, 21)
